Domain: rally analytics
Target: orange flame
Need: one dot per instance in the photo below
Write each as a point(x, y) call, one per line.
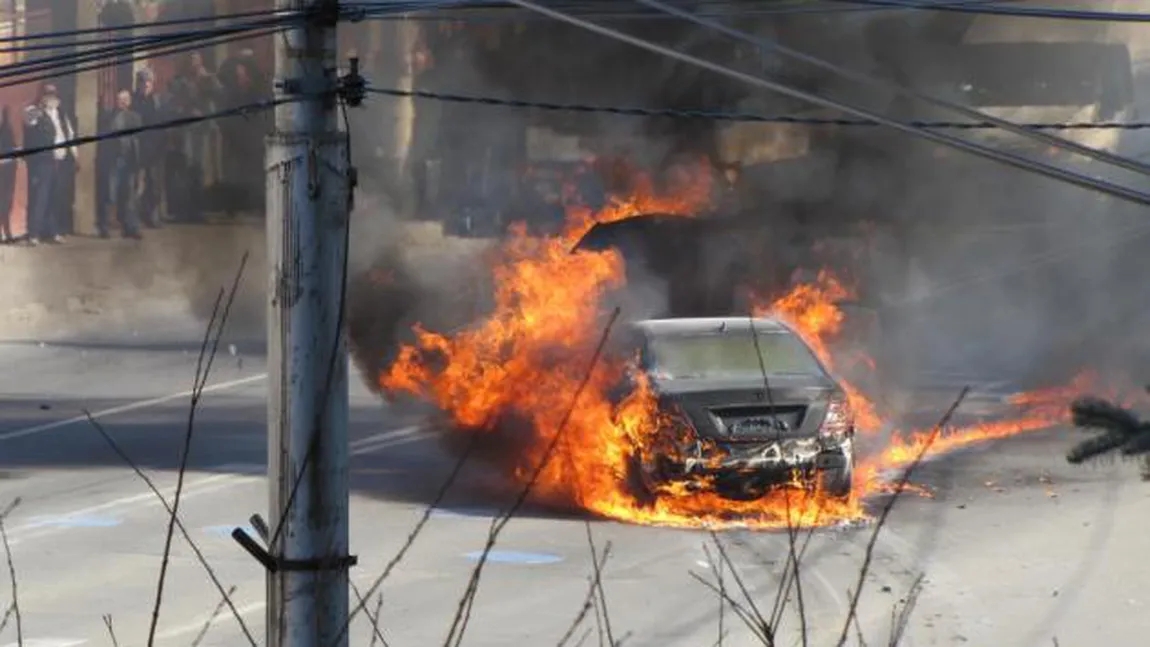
point(518, 369)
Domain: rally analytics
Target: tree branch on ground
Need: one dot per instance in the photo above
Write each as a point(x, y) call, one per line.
point(1122, 430)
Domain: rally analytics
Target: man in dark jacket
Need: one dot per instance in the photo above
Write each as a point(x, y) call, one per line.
point(149, 106)
point(46, 126)
point(125, 176)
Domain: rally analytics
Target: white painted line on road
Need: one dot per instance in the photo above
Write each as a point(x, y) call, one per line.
point(49, 642)
point(125, 408)
point(208, 620)
point(206, 485)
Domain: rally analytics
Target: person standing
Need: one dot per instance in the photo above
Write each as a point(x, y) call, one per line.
point(149, 106)
point(7, 175)
point(194, 93)
point(125, 173)
point(46, 128)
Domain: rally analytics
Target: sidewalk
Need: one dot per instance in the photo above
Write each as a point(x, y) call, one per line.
point(172, 276)
point(93, 285)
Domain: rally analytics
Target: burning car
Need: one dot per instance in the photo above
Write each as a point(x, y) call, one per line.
point(748, 407)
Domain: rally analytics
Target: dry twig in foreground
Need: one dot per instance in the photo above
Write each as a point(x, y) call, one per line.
point(900, 617)
point(463, 613)
point(215, 614)
point(111, 629)
point(12, 572)
point(598, 561)
point(226, 597)
point(208, 349)
point(900, 487)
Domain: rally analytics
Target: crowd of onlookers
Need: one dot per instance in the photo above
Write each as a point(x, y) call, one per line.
point(159, 175)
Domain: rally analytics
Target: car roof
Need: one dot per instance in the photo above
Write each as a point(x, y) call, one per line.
point(709, 325)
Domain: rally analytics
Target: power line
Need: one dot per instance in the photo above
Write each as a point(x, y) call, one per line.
point(238, 111)
point(484, 12)
point(678, 113)
point(995, 10)
point(867, 79)
point(1016, 161)
point(66, 61)
point(176, 22)
point(141, 53)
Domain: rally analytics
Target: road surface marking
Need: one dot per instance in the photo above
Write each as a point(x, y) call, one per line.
point(48, 642)
point(125, 408)
point(206, 485)
point(147, 499)
point(208, 621)
point(74, 521)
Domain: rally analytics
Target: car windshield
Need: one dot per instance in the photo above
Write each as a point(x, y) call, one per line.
point(730, 353)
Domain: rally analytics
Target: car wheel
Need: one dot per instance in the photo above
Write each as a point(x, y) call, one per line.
point(838, 483)
point(641, 480)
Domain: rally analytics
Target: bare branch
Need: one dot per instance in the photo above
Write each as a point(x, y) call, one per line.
point(200, 557)
point(208, 350)
point(599, 585)
point(762, 626)
point(889, 506)
point(111, 629)
point(589, 601)
point(212, 618)
point(12, 573)
point(902, 619)
point(8, 614)
point(748, 617)
point(463, 613)
point(412, 536)
point(377, 632)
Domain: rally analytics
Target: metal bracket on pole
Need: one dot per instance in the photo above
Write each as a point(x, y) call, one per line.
point(278, 564)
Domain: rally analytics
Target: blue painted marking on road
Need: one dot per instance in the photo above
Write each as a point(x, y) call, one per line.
point(515, 557)
point(75, 521)
point(226, 531)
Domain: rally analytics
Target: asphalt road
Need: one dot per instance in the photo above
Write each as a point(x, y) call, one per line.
point(1017, 548)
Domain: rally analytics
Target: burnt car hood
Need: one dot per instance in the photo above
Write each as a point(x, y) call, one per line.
point(741, 409)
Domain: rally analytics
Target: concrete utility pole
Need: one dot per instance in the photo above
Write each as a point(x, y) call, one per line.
point(308, 208)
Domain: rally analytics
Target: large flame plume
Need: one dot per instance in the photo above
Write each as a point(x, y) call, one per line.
point(514, 374)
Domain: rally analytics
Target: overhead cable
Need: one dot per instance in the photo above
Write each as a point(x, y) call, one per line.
point(867, 79)
point(238, 111)
point(66, 60)
point(473, 12)
point(1017, 11)
point(175, 22)
point(1016, 161)
point(711, 115)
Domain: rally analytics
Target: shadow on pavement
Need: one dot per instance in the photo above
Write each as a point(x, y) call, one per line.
point(393, 456)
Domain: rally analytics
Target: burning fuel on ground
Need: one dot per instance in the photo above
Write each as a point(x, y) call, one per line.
point(515, 372)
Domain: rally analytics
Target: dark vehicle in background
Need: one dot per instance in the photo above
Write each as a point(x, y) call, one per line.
point(750, 406)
